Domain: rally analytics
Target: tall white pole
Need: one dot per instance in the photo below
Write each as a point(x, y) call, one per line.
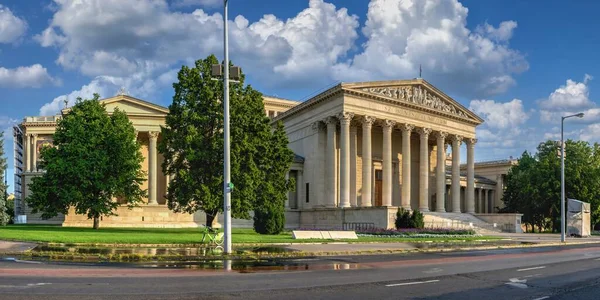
point(227, 179)
point(562, 182)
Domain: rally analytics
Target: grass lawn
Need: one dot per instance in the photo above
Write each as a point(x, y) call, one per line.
point(58, 234)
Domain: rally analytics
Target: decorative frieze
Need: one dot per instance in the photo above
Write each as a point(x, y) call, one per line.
point(416, 95)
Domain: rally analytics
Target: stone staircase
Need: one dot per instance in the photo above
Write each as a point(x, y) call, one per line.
point(459, 221)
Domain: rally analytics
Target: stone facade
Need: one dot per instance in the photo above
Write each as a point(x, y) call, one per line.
point(362, 150)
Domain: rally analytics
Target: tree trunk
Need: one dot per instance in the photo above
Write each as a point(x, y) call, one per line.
point(210, 217)
point(96, 222)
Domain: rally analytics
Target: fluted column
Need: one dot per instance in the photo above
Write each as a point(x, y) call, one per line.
point(34, 153)
point(470, 192)
point(388, 125)
point(480, 200)
point(406, 131)
point(424, 169)
point(485, 202)
point(152, 168)
point(353, 142)
point(367, 164)
point(28, 153)
point(456, 141)
point(441, 172)
point(330, 165)
point(345, 118)
point(499, 191)
point(300, 190)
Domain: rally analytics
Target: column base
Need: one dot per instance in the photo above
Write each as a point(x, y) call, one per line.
point(152, 203)
point(424, 209)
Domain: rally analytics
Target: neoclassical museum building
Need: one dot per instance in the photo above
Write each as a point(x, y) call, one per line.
point(362, 150)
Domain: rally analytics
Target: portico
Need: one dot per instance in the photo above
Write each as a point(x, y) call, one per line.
point(383, 145)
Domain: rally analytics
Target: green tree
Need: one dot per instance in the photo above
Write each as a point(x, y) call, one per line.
point(269, 211)
point(95, 159)
point(533, 186)
point(4, 217)
point(192, 146)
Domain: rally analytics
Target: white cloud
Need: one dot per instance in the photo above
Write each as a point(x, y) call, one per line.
point(499, 115)
point(122, 37)
point(503, 33)
point(208, 3)
point(33, 76)
point(591, 133)
point(12, 28)
point(402, 34)
point(573, 95)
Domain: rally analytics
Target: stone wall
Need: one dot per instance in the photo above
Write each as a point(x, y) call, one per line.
point(146, 216)
point(336, 218)
point(505, 222)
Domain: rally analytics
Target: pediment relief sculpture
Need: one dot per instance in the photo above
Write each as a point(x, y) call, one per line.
point(416, 95)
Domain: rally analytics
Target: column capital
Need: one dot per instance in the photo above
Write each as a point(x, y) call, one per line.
point(153, 134)
point(424, 131)
point(345, 117)
point(471, 142)
point(388, 124)
point(316, 126)
point(457, 138)
point(441, 135)
point(367, 120)
point(407, 127)
point(330, 120)
point(34, 135)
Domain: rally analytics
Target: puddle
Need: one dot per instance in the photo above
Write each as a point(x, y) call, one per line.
point(188, 251)
point(457, 245)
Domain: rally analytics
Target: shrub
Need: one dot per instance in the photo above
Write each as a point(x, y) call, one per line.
point(417, 220)
point(402, 218)
point(269, 221)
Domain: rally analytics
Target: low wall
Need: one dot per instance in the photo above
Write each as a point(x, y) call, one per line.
point(157, 216)
point(505, 222)
point(348, 218)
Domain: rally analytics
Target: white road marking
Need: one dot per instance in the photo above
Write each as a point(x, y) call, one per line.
point(434, 270)
point(412, 283)
point(516, 282)
point(529, 269)
point(534, 275)
point(597, 259)
point(542, 298)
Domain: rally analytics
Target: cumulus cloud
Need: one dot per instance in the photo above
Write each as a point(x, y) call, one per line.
point(402, 34)
point(33, 76)
point(572, 95)
point(208, 3)
point(502, 133)
point(12, 28)
point(148, 38)
point(120, 37)
point(500, 115)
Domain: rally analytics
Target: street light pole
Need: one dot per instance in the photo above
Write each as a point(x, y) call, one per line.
point(227, 169)
point(562, 175)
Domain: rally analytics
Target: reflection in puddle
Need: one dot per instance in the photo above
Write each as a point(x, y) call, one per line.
point(146, 251)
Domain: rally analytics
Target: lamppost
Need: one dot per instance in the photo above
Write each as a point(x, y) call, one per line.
point(562, 175)
point(224, 71)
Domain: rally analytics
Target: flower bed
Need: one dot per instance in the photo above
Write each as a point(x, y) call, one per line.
point(416, 232)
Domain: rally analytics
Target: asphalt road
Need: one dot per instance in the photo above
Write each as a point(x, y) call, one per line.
point(568, 272)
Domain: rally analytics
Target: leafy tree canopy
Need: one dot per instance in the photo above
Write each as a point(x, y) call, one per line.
point(95, 159)
point(533, 186)
point(4, 217)
point(192, 145)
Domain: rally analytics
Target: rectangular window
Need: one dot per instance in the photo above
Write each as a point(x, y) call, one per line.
point(307, 192)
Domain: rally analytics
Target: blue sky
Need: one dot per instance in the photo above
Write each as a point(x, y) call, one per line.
point(518, 64)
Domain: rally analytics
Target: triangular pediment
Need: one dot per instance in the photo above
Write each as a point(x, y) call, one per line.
point(133, 106)
point(416, 93)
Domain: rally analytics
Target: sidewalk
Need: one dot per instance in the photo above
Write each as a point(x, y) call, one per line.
point(6, 246)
